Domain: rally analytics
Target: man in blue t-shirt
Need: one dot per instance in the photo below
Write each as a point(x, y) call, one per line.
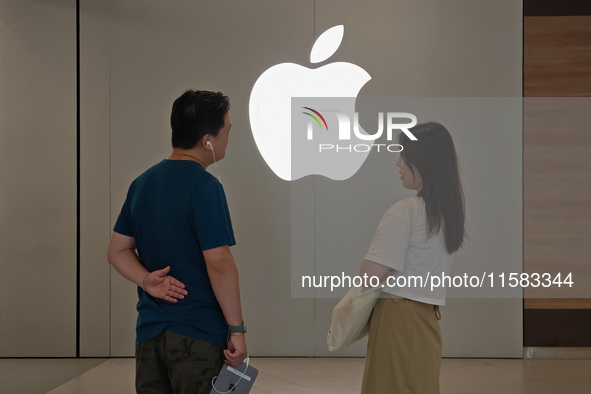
point(172, 238)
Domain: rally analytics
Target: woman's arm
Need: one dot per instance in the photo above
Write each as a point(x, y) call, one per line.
point(371, 268)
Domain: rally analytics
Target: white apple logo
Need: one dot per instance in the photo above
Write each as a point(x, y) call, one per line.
point(270, 110)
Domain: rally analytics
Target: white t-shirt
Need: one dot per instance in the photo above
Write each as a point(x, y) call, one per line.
point(408, 250)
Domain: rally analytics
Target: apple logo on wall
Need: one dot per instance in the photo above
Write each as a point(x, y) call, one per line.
point(270, 109)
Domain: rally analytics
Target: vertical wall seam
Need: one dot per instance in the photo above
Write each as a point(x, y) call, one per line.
point(522, 168)
point(314, 210)
point(110, 336)
point(77, 178)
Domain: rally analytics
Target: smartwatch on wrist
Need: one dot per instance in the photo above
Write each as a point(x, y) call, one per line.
point(241, 328)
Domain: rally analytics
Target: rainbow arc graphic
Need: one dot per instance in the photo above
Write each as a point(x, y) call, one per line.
point(315, 118)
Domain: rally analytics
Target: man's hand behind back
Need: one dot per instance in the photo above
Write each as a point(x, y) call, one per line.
point(161, 285)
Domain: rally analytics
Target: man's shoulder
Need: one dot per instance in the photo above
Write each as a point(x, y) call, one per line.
point(186, 178)
point(151, 171)
point(172, 170)
point(209, 187)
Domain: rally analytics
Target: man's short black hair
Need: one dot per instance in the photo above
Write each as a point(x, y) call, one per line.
point(196, 113)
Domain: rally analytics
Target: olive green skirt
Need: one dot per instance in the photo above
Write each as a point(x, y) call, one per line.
point(404, 348)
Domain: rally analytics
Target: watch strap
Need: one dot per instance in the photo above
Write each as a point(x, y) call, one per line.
point(241, 328)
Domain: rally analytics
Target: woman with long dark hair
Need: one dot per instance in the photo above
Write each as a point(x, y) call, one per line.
point(415, 240)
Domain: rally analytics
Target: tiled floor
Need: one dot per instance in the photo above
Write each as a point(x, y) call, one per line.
point(307, 376)
point(28, 376)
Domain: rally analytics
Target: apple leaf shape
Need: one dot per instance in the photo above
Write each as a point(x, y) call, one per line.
point(327, 44)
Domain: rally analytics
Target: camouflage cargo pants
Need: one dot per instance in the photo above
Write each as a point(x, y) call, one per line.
point(175, 364)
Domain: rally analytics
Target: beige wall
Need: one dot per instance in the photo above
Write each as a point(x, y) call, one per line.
point(37, 178)
point(95, 172)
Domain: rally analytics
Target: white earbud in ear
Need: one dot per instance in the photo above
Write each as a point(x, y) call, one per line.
point(214, 161)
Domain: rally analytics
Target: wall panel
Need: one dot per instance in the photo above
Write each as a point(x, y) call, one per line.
point(38, 178)
point(95, 173)
point(557, 63)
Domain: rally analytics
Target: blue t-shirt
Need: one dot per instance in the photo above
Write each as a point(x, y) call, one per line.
point(176, 210)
